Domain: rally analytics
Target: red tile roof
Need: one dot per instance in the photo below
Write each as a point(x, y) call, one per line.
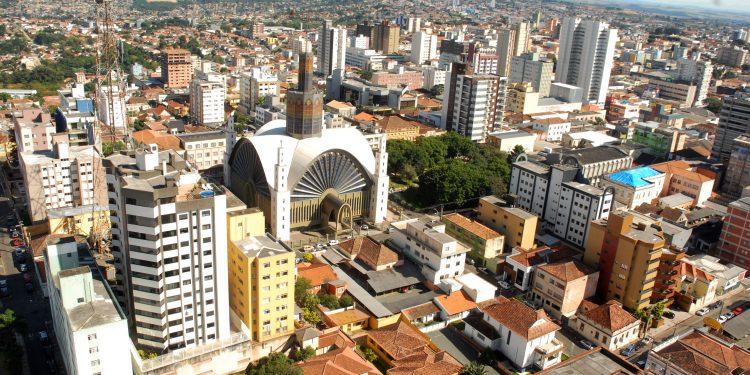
point(521, 319)
point(610, 316)
point(371, 252)
point(343, 361)
point(567, 271)
point(456, 302)
point(699, 353)
point(317, 273)
point(474, 227)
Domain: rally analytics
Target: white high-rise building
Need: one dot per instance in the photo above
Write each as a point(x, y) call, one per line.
point(91, 329)
point(111, 110)
point(699, 73)
point(332, 48)
point(586, 55)
point(423, 47)
point(169, 241)
point(511, 42)
point(254, 86)
point(528, 68)
point(359, 41)
point(300, 45)
point(207, 94)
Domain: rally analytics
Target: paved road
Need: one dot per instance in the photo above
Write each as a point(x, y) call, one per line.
point(450, 341)
point(33, 308)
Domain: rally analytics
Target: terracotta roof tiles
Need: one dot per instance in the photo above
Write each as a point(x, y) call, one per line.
point(521, 319)
point(474, 227)
point(610, 316)
point(567, 271)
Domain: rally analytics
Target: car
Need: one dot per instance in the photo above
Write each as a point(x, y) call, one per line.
point(641, 364)
point(4, 291)
point(668, 314)
point(16, 242)
point(389, 230)
point(43, 336)
point(333, 242)
point(3, 283)
point(320, 245)
point(737, 311)
point(504, 284)
point(721, 319)
point(647, 340)
point(728, 315)
point(18, 252)
point(24, 268)
point(470, 261)
point(364, 227)
point(627, 352)
point(702, 311)
point(586, 344)
point(29, 287)
point(307, 248)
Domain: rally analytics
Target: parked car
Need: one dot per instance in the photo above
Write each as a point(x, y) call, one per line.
point(24, 267)
point(641, 364)
point(586, 344)
point(470, 261)
point(29, 287)
point(737, 311)
point(721, 319)
point(307, 248)
point(364, 227)
point(702, 311)
point(389, 230)
point(16, 242)
point(668, 314)
point(504, 284)
point(333, 242)
point(728, 315)
point(627, 352)
point(647, 340)
point(18, 252)
point(43, 337)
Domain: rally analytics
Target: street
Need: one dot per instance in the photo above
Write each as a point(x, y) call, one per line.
point(32, 308)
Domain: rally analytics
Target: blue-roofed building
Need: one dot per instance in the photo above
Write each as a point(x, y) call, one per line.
point(635, 186)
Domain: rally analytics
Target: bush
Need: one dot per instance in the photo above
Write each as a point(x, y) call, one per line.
point(346, 301)
point(330, 301)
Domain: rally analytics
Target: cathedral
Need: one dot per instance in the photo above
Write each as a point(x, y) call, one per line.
point(304, 176)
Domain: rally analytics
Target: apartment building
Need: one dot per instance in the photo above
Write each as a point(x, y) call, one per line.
point(483, 59)
point(111, 106)
point(659, 140)
point(586, 57)
point(385, 37)
point(204, 150)
point(169, 229)
point(731, 56)
point(528, 68)
point(579, 205)
point(176, 68)
point(559, 288)
point(438, 255)
point(734, 243)
point(737, 176)
point(627, 257)
point(423, 47)
point(485, 243)
point(207, 93)
point(552, 128)
point(332, 48)
point(261, 284)
point(33, 130)
point(517, 226)
point(633, 187)
point(698, 73)
point(733, 122)
point(64, 177)
point(90, 328)
point(680, 178)
point(254, 86)
point(399, 77)
point(511, 42)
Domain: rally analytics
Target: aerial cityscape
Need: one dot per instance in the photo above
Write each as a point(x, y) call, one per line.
point(430, 187)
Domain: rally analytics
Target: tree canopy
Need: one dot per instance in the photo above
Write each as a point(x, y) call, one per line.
point(273, 364)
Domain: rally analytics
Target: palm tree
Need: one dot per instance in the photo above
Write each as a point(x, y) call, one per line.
point(474, 368)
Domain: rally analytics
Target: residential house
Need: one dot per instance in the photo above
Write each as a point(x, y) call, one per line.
point(521, 264)
point(344, 361)
point(559, 288)
point(698, 353)
point(318, 274)
point(607, 325)
point(421, 314)
point(454, 306)
point(681, 178)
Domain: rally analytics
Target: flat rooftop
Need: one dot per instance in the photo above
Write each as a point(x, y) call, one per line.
point(260, 247)
point(596, 361)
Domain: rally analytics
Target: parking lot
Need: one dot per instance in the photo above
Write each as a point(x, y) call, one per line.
point(452, 342)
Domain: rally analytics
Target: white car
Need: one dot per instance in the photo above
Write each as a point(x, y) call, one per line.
point(504, 284)
point(333, 242)
point(721, 319)
point(702, 311)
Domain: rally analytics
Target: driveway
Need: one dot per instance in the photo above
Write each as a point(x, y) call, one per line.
point(452, 342)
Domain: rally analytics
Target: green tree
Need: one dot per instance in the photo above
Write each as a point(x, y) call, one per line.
point(4, 97)
point(310, 315)
point(455, 181)
point(713, 104)
point(346, 300)
point(657, 310)
point(330, 301)
point(301, 287)
point(139, 124)
point(458, 145)
point(273, 364)
point(473, 368)
point(437, 90)
point(517, 150)
point(366, 74)
point(304, 354)
point(308, 257)
point(369, 354)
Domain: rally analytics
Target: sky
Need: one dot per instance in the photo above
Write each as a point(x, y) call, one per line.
point(724, 4)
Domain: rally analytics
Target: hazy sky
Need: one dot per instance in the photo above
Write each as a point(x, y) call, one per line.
point(726, 4)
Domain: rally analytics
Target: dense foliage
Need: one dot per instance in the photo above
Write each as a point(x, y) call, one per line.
point(449, 168)
point(273, 364)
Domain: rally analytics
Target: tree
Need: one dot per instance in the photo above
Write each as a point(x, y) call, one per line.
point(139, 124)
point(346, 301)
point(273, 364)
point(310, 315)
point(308, 257)
point(437, 90)
point(473, 368)
point(369, 354)
point(517, 150)
point(301, 287)
point(4, 97)
point(366, 74)
point(304, 354)
point(455, 181)
point(657, 310)
point(713, 104)
point(330, 301)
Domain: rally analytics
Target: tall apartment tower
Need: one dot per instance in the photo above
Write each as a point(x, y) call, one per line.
point(254, 86)
point(176, 68)
point(423, 47)
point(528, 68)
point(586, 55)
point(332, 48)
point(386, 38)
point(304, 106)
point(207, 93)
point(733, 122)
point(699, 73)
point(511, 42)
point(735, 235)
point(473, 104)
point(169, 241)
point(111, 108)
point(737, 178)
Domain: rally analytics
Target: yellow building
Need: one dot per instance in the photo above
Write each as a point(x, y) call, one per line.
point(77, 220)
point(261, 286)
point(627, 257)
point(244, 223)
point(486, 244)
point(516, 225)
